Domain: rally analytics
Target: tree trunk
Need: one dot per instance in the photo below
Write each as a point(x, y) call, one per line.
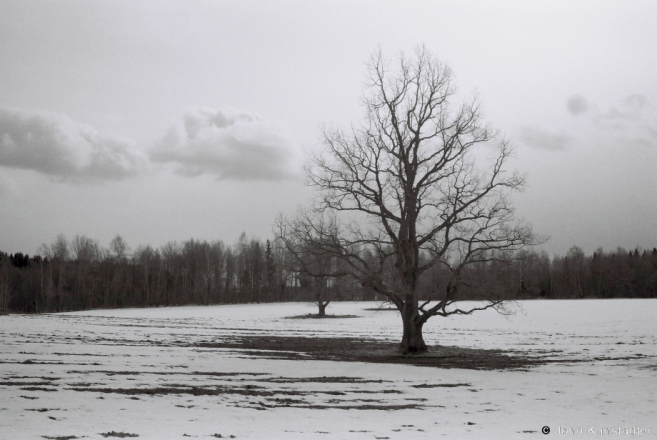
point(146, 286)
point(412, 340)
point(322, 308)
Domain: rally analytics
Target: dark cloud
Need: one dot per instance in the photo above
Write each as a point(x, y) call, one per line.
point(636, 101)
point(57, 146)
point(577, 105)
point(229, 144)
point(537, 138)
point(631, 109)
point(635, 117)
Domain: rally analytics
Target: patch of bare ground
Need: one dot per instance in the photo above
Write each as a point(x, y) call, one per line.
point(316, 316)
point(162, 373)
point(61, 437)
point(80, 354)
point(30, 362)
point(33, 362)
point(282, 398)
point(247, 390)
point(323, 379)
point(21, 384)
point(373, 351)
point(380, 407)
point(441, 385)
point(118, 434)
point(33, 377)
point(37, 389)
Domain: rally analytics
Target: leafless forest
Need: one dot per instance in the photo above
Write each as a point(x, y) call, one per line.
point(79, 274)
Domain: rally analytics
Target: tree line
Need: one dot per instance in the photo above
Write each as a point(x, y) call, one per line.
point(80, 274)
point(615, 274)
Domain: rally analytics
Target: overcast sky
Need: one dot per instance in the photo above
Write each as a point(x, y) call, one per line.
point(170, 120)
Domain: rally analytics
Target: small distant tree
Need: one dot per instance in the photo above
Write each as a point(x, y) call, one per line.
point(411, 187)
point(85, 252)
point(316, 271)
point(5, 282)
point(146, 257)
point(171, 253)
point(119, 254)
point(58, 253)
point(270, 272)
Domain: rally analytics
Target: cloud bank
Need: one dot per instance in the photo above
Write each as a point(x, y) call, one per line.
point(229, 144)
point(57, 146)
point(631, 121)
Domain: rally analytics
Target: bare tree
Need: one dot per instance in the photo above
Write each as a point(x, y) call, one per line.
point(85, 251)
point(119, 254)
point(58, 253)
point(5, 284)
point(407, 190)
point(170, 261)
point(316, 271)
point(146, 256)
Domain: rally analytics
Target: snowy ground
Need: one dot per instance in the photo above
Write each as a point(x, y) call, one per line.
point(142, 372)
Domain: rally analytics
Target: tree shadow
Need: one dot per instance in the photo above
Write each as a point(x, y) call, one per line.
point(318, 316)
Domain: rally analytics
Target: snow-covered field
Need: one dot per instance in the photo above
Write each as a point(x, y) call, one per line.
point(142, 372)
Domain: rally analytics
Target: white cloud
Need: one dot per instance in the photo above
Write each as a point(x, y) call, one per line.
point(229, 144)
point(57, 146)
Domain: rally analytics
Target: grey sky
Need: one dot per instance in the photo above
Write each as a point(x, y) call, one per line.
point(170, 120)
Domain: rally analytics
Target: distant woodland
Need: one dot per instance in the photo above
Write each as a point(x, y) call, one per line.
point(80, 274)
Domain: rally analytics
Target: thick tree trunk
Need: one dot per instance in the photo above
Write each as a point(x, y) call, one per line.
point(412, 340)
point(322, 308)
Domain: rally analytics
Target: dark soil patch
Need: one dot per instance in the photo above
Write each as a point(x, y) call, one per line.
point(33, 377)
point(316, 316)
point(376, 391)
point(118, 434)
point(276, 355)
point(61, 437)
point(79, 354)
point(249, 390)
point(37, 389)
point(323, 379)
point(165, 373)
point(384, 309)
point(368, 350)
point(348, 407)
point(30, 362)
point(441, 385)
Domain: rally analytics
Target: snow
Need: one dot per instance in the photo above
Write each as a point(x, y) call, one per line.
point(74, 354)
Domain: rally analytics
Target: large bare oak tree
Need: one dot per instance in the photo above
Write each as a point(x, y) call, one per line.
point(419, 183)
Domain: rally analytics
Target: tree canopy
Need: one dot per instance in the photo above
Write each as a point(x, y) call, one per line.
point(406, 190)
